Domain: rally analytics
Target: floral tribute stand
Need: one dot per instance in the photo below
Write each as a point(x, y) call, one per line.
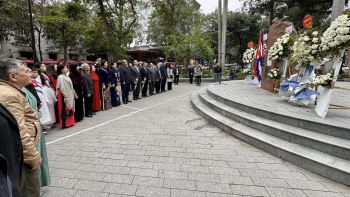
point(323, 102)
point(248, 79)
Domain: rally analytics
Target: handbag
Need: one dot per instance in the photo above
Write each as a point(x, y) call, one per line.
point(67, 113)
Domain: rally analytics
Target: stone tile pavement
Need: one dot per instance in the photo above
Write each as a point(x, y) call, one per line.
point(159, 146)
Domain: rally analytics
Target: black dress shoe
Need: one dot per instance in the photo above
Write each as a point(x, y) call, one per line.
point(125, 102)
point(129, 101)
point(93, 113)
point(134, 99)
point(146, 96)
point(138, 98)
point(89, 116)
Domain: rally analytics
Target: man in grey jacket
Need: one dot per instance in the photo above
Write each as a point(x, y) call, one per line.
point(152, 78)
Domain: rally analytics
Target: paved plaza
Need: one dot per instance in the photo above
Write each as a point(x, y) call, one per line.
point(159, 146)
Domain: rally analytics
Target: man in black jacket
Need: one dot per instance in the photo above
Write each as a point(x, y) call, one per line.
point(177, 72)
point(163, 73)
point(88, 90)
point(144, 72)
point(158, 79)
point(217, 71)
point(152, 78)
point(191, 73)
point(135, 73)
point(10, 149)
point(125, 80)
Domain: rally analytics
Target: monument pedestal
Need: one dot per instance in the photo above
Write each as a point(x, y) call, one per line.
point(276, 30)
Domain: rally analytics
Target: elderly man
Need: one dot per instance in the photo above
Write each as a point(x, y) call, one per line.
point(14, 75)
point(88, 90)
point(152, 78)
point(125, 80)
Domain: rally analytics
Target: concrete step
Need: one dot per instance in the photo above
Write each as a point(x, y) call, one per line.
point(292, 120)
point(323, 164)
point(324, 143)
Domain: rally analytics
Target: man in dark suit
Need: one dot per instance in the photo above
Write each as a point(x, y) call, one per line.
point(158, 79)
point(144, 72)
point(10, 149)
point(125, 80)
point(152, 79)
point(135, 73)
point(88, 90)
point(190, 73)
point(177, 72)
point(163, 72)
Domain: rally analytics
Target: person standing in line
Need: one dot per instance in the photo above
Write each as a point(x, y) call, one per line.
point(88, 90)
point(198, 72)
point(217, 71)
point(191, 73)
point(113, 75)
point(170, 76)
point(152, 79)
point(132, 84)
point(14, 75)
point(65, 95)
point(145, 75)
point(106, 85)
point(125, 80)
point(135, 73)
point(158, 79)
point(77, 80)
point(163, 71)
point(96, 99)
point(177, 72)
point(12, 152)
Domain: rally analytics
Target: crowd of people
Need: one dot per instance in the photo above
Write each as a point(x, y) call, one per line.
point(34, 98)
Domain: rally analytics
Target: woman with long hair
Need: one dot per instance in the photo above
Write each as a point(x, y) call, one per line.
point(113, 75)
point(77, 81)
point(65, 95)
point(51, 71)
point(96, 97)
point(106, 84)
point(50, 97)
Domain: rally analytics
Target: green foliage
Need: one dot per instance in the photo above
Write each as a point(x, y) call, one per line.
point(208, 74)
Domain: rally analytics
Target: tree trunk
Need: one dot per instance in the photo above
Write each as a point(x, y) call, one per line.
point(39, 45)
point(219, 32)
point(337, 8)
point(224, 28)
point(110, 53)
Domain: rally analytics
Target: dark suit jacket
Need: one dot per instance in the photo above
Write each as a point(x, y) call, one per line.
point(11, 147)
point(179, 71)
point(5, 189)
point(88, 84)
point(191, 70)
point(163, 71)
point(124, 75)
point(143, 74)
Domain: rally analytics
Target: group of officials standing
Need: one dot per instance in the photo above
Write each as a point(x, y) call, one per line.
point(146, 78)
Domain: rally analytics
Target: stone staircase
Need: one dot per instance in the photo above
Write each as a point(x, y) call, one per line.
point(322, 148)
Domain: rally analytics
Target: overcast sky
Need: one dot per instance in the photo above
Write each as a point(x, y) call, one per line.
point(208, 6)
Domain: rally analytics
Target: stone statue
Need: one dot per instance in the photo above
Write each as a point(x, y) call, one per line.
point(280, 10)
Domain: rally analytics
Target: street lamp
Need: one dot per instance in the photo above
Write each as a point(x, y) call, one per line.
point(35, 58)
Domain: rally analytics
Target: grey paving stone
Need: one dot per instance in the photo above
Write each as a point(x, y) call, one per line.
point(336, 187)
point(206, 156)
point(118, 178)
point(91, 160)
point(112, 156)
point(186, 193)
point(144, 172)
point(237, 180)
point(268, 182)
point(256, 173)
point(187, 161)
point(322, 194)
point(181, 154)
point(191, 168)
point(120, 189)
point(67, 165)
point(208, 194)
point(91, 154)
point(166, 166)
point(180, 184)
point(243, 165)
point(66, 158)
point(289, 175)
point(222, 170)
point(114, 162)
point(87, 185)
point(152, 191)
point(57, 191)
point(93, 176)
point(232, 158)
point(278, 192)
point(307, 185)
point(140, 164)
point(204, 177)
point(64, 173)
point(213, 187)
point(279, 167)
point(91, 167)
point(63, 182)
point(148, 181)
point(173, 174)
point(214, 163)
point(116, 170)
point(161, 159)
point(81, 193)
point(136, 158)
point(248, 190)
point(134, 152)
